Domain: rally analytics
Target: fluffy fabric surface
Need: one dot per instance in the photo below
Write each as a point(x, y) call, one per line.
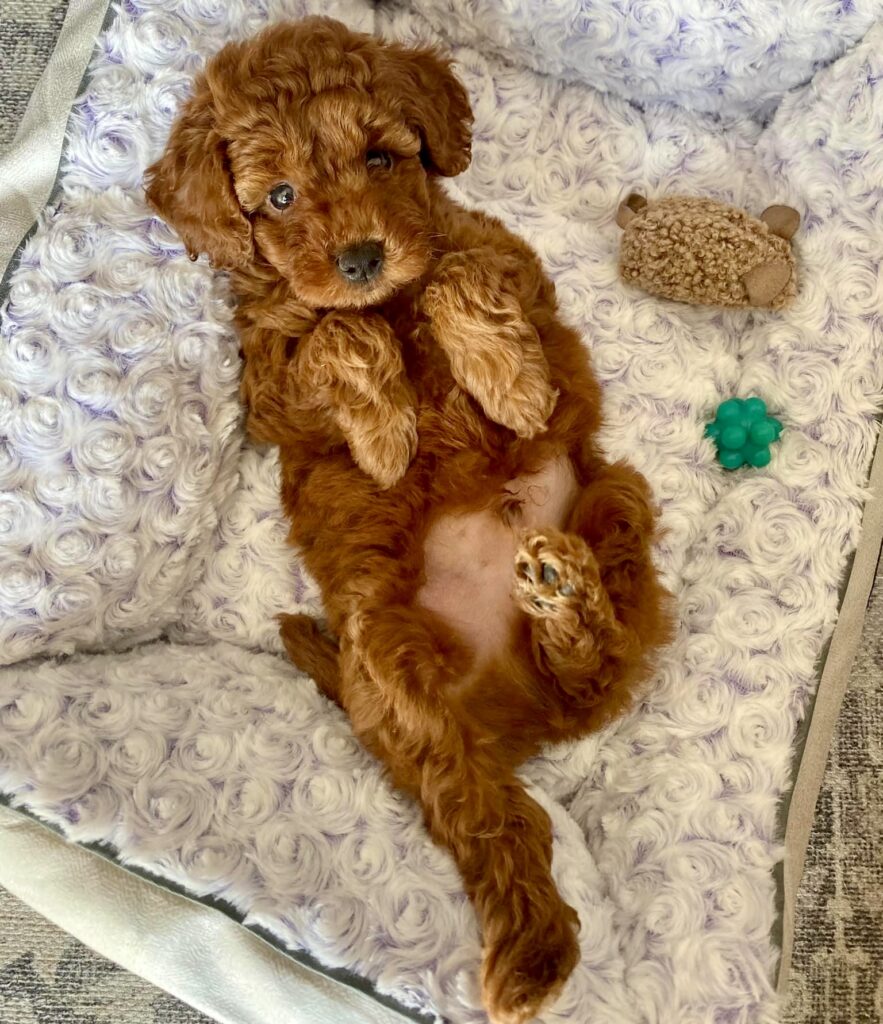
point(119, 414)
point(732, 58)
point(665, 823)
point(228, 774)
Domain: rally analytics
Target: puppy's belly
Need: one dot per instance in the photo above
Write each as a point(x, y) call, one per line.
point(469, 557)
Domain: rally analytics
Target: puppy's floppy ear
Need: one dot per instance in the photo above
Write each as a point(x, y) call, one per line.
point(422, 84)
point(191, 188)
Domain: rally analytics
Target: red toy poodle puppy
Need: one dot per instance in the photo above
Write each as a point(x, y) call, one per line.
point(486, 573)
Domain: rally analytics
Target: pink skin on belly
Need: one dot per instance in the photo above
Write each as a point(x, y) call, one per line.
point(469, 557)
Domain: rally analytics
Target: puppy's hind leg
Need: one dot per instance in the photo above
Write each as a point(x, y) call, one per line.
point(575, 633)
point(615, 516)
point(598, 608)
point(405, 695)
point(314, 653)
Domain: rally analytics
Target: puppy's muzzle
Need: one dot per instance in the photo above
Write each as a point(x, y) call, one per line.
point(361, 263)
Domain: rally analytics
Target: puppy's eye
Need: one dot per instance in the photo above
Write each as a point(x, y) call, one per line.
point(282, 196)
point(378, 159)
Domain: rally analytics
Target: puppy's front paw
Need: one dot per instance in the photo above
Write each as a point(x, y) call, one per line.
point(458, 275)
point(383, 443)
point(351, 367)
point(525, 404)
point(494, 351)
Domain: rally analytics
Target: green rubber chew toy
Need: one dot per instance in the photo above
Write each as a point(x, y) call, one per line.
point(743, 433)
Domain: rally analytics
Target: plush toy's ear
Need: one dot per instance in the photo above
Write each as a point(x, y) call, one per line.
point(765, 282)
point(781, 220)
point(629, 208)
point(191, 187)
point(421, 83)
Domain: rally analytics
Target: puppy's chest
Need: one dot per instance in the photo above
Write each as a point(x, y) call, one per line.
point(426, 364)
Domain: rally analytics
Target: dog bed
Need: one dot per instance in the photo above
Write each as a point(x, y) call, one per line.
point(145, 708)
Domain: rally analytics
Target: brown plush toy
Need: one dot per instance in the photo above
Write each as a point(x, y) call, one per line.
point(704, 252)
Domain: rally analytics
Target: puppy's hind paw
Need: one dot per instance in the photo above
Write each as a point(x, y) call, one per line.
point(575, 632)
point(523, 972)
point(556, 575)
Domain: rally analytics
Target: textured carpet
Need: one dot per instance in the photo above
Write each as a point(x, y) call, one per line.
point(837, 973)
point(46, 977)
point(28, 30)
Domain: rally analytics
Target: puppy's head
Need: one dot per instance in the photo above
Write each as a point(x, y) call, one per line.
point(312, 147)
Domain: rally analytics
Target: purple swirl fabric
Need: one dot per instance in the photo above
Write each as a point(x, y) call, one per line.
point(131, 507)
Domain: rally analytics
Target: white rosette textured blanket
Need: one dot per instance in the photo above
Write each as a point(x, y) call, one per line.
point(144, 703)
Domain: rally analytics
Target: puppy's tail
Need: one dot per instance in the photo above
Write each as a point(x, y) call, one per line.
point(501, 840)
point(313, 652)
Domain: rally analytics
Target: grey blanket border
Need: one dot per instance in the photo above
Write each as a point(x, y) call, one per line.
point(304, 959)
point(55, 190)
point(812, 743)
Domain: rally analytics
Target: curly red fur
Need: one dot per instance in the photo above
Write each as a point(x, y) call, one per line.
point(489, 589)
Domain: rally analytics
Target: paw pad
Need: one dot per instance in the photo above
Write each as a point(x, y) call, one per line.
point(549, 577)
point(550, 574)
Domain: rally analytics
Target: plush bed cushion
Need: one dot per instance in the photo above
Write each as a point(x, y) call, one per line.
point(732, 58)
point(184, 756)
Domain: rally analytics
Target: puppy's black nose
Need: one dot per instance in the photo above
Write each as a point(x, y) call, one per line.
point(361, 263)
